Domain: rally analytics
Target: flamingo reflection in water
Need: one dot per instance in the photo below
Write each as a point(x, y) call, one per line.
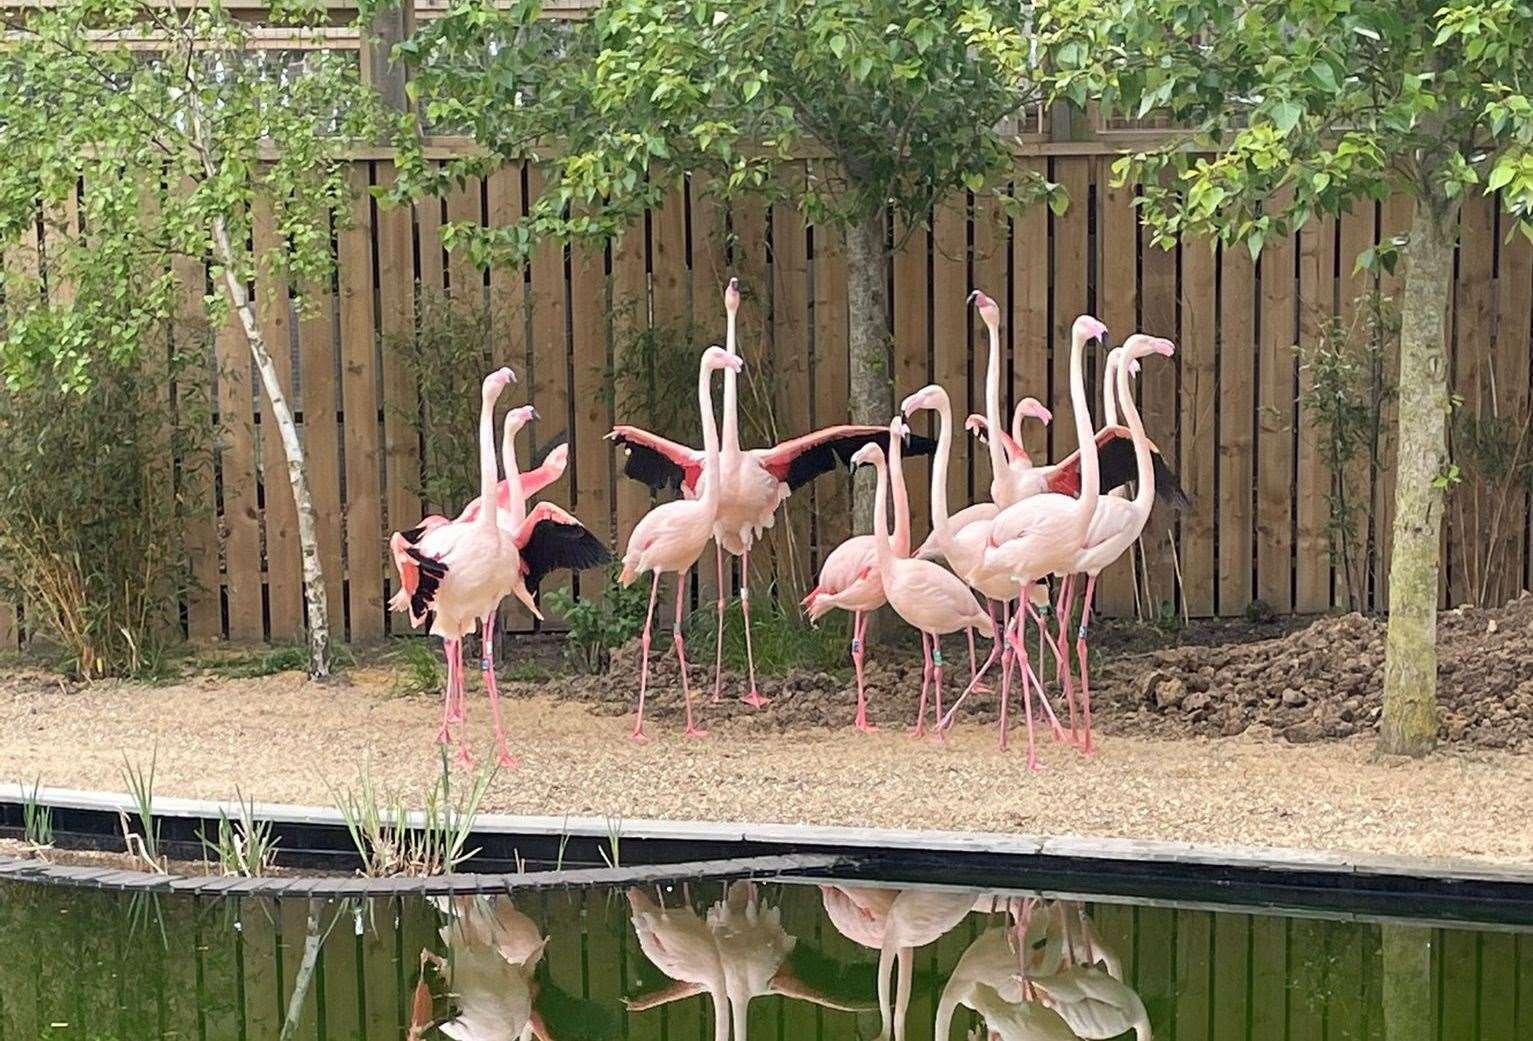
point(493, 950)
point(1047, 975)
point(737, 952)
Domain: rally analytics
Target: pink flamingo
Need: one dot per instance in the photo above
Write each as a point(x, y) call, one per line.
point(533, 481)
point(1041, 534)
point(926, 596)
point(464, 569)
point(673, 535)
point(1117, 522)
point(850, 579)
point(755, 483)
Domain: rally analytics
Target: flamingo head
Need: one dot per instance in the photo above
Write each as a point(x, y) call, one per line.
point(1139, 345)
point(520, 417)
point(1035, 408)
point(987, 308)
point(497, 381)
point(716, 357)
point(1089, 328)
point(899, 428)
point(732, 296)
point(868, 453)
point(929, 396)
point(559, 458)
point(975, 424)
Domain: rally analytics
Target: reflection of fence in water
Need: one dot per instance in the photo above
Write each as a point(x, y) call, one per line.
point(96, 966)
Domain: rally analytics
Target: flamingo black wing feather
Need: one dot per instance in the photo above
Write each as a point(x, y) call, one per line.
point(554, 545)
point(650, 467)
point(1168, 487)
point(827, 455)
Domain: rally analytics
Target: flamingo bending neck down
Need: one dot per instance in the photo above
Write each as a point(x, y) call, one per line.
point(1035, 537)
point(673, 535)
point(928, 597)
point(754, 483)
point(850, 579)
point(1117, 522)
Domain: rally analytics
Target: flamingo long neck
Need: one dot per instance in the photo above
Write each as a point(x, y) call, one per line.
point(518, 510)
point(1109, 389)
point(993, 405)
point(880, 520)
point(1091, 479)
point(731, 392)
point(487, 517)
point(901, 499)
point(939, 466)
point(1144, 495)
point(1016, 435)
point(711, 466)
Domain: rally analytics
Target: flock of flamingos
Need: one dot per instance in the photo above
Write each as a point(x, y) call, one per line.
point(1063, 519)
point(1042, 973)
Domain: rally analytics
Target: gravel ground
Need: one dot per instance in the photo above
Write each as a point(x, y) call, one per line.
point(282, 738)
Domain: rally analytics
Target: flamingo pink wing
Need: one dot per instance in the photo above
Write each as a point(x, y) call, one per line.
point(799, 461)
point(656, 461)
point(1117, 466)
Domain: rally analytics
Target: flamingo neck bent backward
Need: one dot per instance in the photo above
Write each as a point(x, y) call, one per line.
point(518, 508)
point(1084, 328)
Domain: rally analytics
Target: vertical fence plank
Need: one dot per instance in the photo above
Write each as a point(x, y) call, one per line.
point(750, 221)
point(991, 254)
point(950, 344)
point(1269, 978)
point(1155, 951)
point(359, 395)
point(1117, 293)
point(1194, 968)
point(630, 316)
point(1030, 300)
point(710, 273)
point(1498, 986)
point(1237, 402)
point(1307, 994)
point(237, 470)
point(321, 439)
point(1275, 433)
point(790, 341)
point(342, 1007)
point(1158, 384)
point(592, 478)
point(1317, 285)
point(1070, 299)
point(204, 618)
point(1199, 429)
point(1362, 478)
point(284, 578)
point(1473, 380)
point(401, 405)
point(911, 363)
point(1509, 365)
point(832, 381)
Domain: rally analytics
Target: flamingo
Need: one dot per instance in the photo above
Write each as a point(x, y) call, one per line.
point(738, 953)
point(915, 918)
point(850, 580)
point(926, 596)
point(493, 951)
point(1027, 408)
point(673, 535)
point(755, 483)
point(1094, 1004)
point(964, 548)
point(859, 913)
point(1117, 522)
point(1041, 534)
point(465, 568)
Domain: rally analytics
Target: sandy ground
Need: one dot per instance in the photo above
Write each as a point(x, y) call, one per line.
point(281, 738)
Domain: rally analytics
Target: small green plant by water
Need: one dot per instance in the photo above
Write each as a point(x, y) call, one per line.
point(417, 667)
point(36, 819)
point(379, 825)
point(144, 843)
point(242, 846)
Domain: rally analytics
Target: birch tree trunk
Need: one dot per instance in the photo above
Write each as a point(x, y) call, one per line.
point(1409, 725)
point(872, 394)
point(292, 448)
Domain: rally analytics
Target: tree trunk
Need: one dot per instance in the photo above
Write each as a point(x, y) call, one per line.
point(872, 390)
point(1409, 726)
point(297, 469)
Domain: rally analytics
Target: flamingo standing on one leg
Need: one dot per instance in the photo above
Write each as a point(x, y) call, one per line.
point(1041, 534)
point(754, 483)
point(850, 580)
point(465, 568)
point(1117, 523)
point(926, 596)
point(673, 535)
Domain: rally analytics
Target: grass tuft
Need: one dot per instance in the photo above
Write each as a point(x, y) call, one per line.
point(416, 668)
point(145, 842)
point(36, 819)
point(243, 846)
point(388, 846)
point(781, 638)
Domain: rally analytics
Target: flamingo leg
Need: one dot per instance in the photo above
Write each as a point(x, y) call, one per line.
point(1006, 662)
point(1019, 646)
point(718, 629)
point(1080, 653)
point(859, 629)
point(681, 654)
point(503, 755)
point(926, 675)
point(902, 992)
point(464, 756)
point(1062, 650)
point(444, 735)
point(754, 698)
point(649, 620)
point(1059, 734)
point(974, 672)
point(885, 1003)
point(944, 722)
point(939, 733)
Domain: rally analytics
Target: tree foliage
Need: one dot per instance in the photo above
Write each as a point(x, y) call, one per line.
point(1300, 107)
point(904, 97)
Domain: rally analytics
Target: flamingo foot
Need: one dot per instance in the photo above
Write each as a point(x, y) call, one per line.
point(464, 758)
point(444, 736)
point(507, 761)
point(695, 731)
point(755, 700)
point(866, 727)
point(918, 731)
point(639, 735)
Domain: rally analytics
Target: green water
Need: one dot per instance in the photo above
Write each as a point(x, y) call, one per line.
point(91, 965)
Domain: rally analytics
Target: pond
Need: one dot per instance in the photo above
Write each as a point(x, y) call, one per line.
point(572, 963)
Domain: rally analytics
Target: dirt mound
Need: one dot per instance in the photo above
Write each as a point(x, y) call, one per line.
point(1323, 681)
point(1326, 681)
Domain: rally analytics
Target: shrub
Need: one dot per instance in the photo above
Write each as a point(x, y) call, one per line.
point(92, 508)
point(597, 624)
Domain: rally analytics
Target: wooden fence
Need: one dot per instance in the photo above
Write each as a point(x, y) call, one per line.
point(1224, 411)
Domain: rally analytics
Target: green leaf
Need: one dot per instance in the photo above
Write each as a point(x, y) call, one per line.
point(1285, 116)
point(838, 45)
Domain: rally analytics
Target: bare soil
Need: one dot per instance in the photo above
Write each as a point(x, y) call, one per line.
point(283, 738)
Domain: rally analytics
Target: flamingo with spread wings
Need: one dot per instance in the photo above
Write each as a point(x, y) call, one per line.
point(753, 483)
